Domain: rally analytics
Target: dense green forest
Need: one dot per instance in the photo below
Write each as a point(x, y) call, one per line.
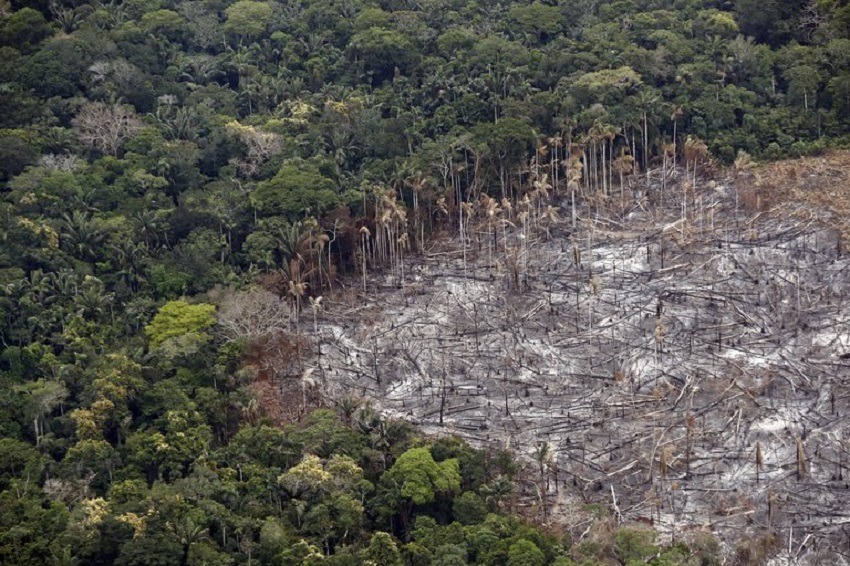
point(159, 158)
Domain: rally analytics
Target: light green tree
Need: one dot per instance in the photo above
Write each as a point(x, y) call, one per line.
point(525, 553)
point(382, 551)
point(177, 319)
point(247, 17)
point(421, 478)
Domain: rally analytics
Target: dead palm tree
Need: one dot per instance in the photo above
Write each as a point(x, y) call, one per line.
point(623, 165)
point(321, 242)
point(365, 235)
point(551, 217)
point(801, 460)
point(540, 193)
point(608, 133)
point(491, 210)
point(400, 240)
point(315, 306)
point(307, 382)
point(418, 184)
point(574, 168)
point(465, 208)
point(675, 114)
point(523, 217)
point(507, 209)
point(695, 149)
point(555, 144)
point(297, 289)
point(669, 150)
point(403, 243)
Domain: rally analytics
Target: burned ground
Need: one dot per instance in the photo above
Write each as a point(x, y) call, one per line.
point(683, 358)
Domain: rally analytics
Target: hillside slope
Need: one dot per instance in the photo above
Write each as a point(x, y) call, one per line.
point(693, 371)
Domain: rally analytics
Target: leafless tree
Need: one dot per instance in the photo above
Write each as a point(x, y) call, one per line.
point(108, 79)
point(105, 127)
point(253, 315)
point(812, 21)
point(259, 147)
point(59, 162)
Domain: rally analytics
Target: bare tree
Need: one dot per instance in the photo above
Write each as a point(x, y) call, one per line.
point(260, 146)
point(253, 315)
point(59, 162)
point(109, 79)
point(105, 127)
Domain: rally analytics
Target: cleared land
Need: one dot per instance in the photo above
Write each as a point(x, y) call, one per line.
point(682, 353)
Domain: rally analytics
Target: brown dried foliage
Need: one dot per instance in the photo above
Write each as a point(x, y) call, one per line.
point(821, 182)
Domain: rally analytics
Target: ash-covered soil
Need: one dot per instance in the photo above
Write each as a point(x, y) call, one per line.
point(684, 357)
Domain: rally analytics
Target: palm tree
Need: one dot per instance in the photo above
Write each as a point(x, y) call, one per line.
point(316, 306)
point(575, 171)
point(647, 100)
point(189, 533)
point(148, 223)
point(65, 557)
point(67, 19)
point(418, 184)
point(497, 491)
point(365, 235)
point(542, 455)
point(44, 396)
point(84, 236)
point(550, 216)
point(676, 112)
point(623, 165)
point(92, 301)
point(307, 382)
point(544, 458)
point(695, 149)
point(491, 210)
point(128, 258)
point(348, 405)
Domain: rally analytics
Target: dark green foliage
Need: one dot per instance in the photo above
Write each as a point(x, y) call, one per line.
point(469, 508)
point(525, 553)
point(15, 155)
point(28, 524)
point(297, 190)
point(57, 69)
point(24, 29)
point(169, 494)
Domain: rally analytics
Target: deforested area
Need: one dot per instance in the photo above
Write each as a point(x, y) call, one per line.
point(680, 353)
